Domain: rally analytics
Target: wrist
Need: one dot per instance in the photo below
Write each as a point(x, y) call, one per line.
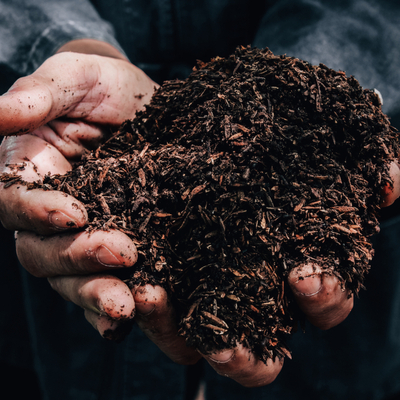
point(92, 46)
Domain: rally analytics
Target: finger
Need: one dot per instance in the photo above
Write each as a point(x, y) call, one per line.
point(321, 296)
point(111, 329)
point(79, 253)
point(71, 138)
point(104, 295)
point(31, 157)
point(95, 88)
point(241, 365)
point(156, 318)
point(392, 192)
point(41, 211)
point(107, 301)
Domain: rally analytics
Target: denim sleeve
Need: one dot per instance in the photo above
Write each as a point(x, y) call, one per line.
point(32, 30)
point(360, 37)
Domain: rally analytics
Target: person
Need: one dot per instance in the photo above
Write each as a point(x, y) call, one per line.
point(88, 66)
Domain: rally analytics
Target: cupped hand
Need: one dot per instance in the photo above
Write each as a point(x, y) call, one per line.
point(71, 103)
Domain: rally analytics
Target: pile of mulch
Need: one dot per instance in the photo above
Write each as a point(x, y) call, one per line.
point(252, 166)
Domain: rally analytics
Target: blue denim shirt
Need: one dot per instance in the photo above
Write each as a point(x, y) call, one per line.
point(358, 359)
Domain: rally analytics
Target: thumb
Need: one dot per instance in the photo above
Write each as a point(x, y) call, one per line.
point(85, 87)
point(53, 90)
point(320, 295)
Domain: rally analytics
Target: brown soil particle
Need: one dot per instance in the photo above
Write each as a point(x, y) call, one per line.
point(252, 166)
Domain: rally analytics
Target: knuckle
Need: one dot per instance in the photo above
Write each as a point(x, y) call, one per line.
point(68, 261)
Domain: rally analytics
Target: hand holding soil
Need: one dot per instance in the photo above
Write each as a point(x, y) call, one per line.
point(223, 207)
point(78, 97)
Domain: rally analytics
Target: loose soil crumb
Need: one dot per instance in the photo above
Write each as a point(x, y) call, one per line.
point(228, 180)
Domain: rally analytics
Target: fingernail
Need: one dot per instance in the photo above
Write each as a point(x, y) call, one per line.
point(60, 220)
point(105, 257)
point(144, 309)
point(309, 285)
point(222, 357)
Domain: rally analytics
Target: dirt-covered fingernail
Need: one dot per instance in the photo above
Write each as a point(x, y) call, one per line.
point(306, 279)
point(106, 257)
point(308, 285)
point(61, 221)
point(222, 357)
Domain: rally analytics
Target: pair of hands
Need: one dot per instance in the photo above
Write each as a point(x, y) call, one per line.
point(71, 103)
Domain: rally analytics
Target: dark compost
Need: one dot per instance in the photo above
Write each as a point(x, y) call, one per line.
point(252, 166)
